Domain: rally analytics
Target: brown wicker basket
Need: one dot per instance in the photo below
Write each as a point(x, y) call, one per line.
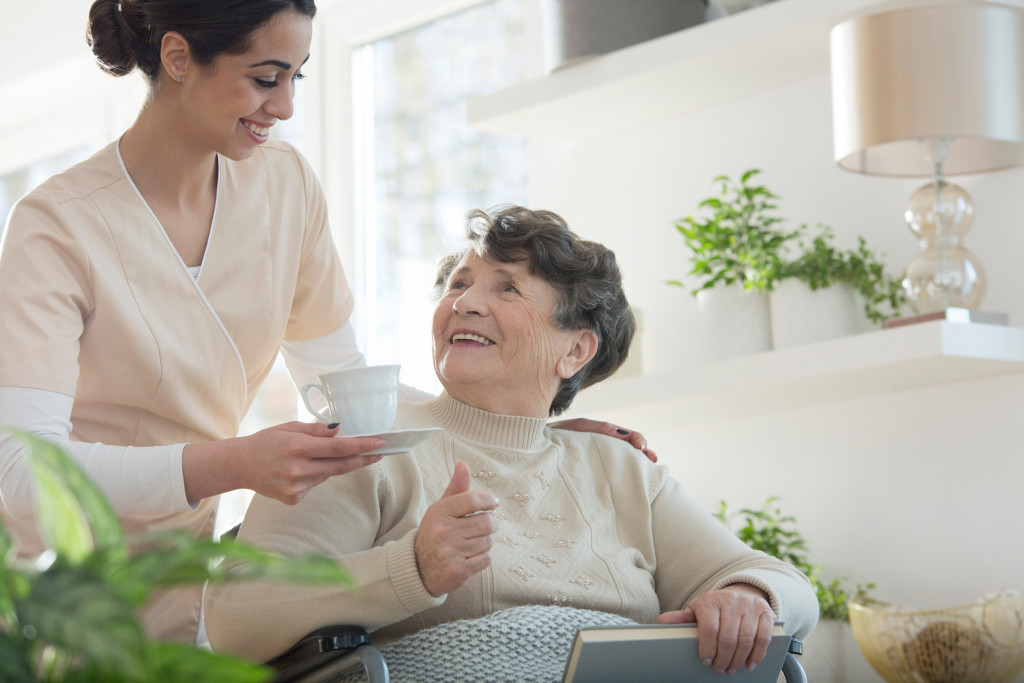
point(979, 643)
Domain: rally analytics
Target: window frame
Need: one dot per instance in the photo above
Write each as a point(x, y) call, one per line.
point(341, 27)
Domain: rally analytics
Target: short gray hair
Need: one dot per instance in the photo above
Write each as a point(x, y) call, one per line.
point(585, 274)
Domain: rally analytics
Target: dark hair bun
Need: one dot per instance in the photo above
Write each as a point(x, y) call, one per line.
point(113, 38)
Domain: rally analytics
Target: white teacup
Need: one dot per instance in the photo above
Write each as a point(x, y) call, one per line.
point(363, 400)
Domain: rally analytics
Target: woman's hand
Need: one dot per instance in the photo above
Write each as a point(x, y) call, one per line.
point(583, 424)
point(282, 462)
point(734, 626)
point(454, 539)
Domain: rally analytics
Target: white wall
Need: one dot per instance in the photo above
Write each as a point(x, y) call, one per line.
point(918, 491)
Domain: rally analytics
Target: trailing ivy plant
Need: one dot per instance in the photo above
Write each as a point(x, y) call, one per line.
point(769, 531)
point(736, 238)
point(821, 264)
point(70, 616)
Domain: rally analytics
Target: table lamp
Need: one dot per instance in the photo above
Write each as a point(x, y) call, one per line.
point(932, 92)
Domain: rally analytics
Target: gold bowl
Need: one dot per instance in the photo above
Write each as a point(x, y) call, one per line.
point(982, 642)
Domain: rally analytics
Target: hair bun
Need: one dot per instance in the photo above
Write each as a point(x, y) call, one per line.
point(113, 37)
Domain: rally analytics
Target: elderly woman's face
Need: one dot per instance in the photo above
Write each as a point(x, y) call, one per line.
point(494, 344)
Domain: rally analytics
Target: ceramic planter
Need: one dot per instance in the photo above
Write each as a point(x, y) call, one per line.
point(578, 29)
point(734, 322)
point(800, 315)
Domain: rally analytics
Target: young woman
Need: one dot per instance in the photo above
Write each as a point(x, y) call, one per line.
point(145, 293)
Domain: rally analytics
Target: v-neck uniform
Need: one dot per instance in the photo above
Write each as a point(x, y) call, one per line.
point(96, 303)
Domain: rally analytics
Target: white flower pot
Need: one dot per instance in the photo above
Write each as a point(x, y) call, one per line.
point(801, 315)
point(734, 322)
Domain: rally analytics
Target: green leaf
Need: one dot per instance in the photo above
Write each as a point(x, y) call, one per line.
point(249, 562)
point(734, 240)
point(62, 523)
point(176, 558)
point(14, 663)
point(13, 585)
point(7, 548)
point(84, 615)
point(76, 620)
point(72, 513)
point(765, 530)
point(177, 662)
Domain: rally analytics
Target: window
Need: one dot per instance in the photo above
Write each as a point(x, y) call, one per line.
point(16, 183)
point(420, 167)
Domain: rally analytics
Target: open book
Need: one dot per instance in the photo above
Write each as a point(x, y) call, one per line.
point(658, 652)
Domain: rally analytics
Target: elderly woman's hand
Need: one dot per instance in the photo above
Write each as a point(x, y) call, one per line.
point(734, 626)
point(583, 424)
point(454, 540)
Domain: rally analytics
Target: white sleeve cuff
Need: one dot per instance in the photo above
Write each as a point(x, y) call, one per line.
point(335, 351)
point(138, 481)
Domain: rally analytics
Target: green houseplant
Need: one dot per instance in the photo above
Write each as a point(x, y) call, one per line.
point(736, 245)
point(768, 530)
point(820, 264)
point(736, 238)
point(71, 615)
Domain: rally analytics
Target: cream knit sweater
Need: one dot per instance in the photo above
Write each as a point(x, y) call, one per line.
point(584, 521)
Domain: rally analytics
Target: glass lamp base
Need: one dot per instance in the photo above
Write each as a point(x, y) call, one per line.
point(943, 274)
point(936, 281)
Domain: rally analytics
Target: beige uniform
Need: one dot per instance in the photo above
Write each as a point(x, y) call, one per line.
point(95, 303)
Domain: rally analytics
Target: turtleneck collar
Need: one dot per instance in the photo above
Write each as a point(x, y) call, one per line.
point(490, 429)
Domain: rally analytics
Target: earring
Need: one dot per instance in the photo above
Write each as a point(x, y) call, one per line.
point(177, 77)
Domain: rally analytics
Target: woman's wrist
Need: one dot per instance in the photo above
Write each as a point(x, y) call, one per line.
point(747, 588)
point(208, 470)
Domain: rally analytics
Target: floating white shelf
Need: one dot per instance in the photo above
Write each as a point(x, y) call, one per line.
point(859, 366)
point(751, 51)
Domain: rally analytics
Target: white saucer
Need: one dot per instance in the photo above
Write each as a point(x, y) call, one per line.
point(400, 440)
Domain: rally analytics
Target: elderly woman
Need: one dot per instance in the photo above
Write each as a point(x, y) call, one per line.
point(529, 315)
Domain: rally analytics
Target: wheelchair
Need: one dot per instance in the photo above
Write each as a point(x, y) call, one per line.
point(333, 650)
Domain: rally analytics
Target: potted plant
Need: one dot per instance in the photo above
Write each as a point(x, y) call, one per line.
point(71, 615)
point(815, 297)
point(811, 283)
point(736, 245)
point(768, 530)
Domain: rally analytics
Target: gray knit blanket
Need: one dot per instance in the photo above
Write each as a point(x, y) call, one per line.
point(519, 644)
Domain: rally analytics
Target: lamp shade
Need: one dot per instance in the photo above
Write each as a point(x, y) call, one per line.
point(946, 73)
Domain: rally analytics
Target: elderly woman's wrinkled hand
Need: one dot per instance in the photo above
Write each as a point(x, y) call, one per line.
point(734, 626)
point(454, 540)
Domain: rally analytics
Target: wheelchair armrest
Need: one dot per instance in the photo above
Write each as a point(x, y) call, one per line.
point(329, 649)
point(791, 669)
